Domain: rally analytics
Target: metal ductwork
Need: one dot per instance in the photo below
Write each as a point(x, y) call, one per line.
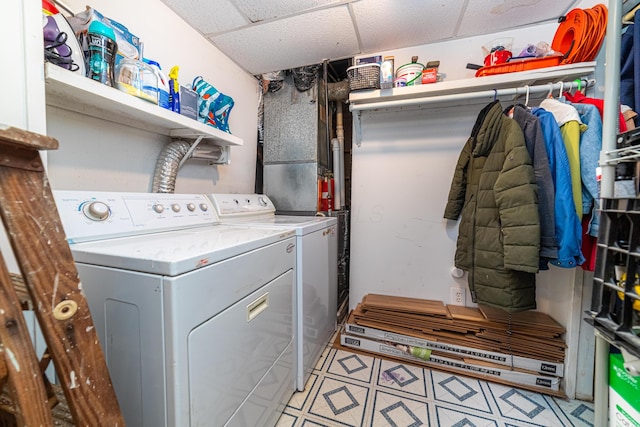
point(167, 166)
point(176, 153)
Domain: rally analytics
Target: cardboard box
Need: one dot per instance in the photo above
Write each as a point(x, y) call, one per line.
point(624, 394)
point(541, 366)
point(481, 370)
point(629, 118)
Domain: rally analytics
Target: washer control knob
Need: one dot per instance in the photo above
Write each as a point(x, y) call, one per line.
point(96, 211)
point(204, 207)
point(262, 201)
point(191, 207)
point(175, 207)
point(158, 208)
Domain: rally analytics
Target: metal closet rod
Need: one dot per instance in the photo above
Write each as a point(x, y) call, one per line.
point(515, 91)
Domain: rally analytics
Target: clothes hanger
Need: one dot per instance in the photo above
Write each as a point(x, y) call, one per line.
point(550, 93)
point(561, 91)
point(526, 98)
point(561, 96)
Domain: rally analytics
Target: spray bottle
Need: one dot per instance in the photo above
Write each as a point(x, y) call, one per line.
point(174, 89)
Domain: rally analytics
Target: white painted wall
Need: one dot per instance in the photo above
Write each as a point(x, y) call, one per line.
point(23, 106)
point(22, 82)
point(100, 155)
point(400, 243)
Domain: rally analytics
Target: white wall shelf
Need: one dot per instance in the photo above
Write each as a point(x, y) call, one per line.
point(415, 95)
point(458, 92)
point(70, 91)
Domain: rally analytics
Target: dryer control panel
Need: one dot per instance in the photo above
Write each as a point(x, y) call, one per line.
point(98, 215)
point(230, 206)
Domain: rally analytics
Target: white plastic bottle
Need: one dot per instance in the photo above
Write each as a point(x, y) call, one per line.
point(163, 84)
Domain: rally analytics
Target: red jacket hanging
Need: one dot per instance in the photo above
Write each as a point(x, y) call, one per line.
point(580, 98)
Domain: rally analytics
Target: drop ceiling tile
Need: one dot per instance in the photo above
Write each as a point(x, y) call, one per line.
point(292, 42)
point(207, 16)
point(260, 10)
point(385, 25)
point(489, 16)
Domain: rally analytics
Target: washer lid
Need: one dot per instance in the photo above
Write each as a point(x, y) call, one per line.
point(175, 252)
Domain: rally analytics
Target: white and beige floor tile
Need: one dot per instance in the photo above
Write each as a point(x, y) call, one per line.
point(354, 390)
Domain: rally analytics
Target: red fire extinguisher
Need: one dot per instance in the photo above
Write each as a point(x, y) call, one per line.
point(326, 190)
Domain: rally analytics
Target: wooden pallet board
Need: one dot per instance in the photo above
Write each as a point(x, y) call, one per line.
point(405, 305)
point(530, 334)
point(491, 343)
point(532, 319)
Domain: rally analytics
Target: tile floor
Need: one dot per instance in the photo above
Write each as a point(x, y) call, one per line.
point(349, 389)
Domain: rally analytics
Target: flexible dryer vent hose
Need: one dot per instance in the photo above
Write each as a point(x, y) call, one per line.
point(167, 165)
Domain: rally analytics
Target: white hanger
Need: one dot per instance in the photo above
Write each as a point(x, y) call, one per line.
point(561, 89)
point(550, 93)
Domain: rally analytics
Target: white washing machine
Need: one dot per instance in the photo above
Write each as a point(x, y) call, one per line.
point(316, 289)
point(195, 318)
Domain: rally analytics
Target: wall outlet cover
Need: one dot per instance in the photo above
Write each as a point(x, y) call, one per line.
point(458, 296)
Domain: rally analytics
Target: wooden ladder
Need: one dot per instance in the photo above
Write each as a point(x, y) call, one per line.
point(30, 217)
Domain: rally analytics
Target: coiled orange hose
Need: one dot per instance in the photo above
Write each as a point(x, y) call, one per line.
point(580, 35)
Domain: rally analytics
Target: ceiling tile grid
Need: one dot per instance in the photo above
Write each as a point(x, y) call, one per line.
point(491, 16)
point(292, 42)
point(387, 25)
point(208, 16)
point(263, 36)
point(257, 11)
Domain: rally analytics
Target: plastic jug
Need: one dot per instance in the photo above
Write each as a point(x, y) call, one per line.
point(138, 79)
point(163, 84)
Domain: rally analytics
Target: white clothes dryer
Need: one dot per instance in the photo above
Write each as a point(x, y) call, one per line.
point(316, 284)
point(194, 317)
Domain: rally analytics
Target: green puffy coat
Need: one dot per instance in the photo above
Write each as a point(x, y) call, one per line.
point(494, 192)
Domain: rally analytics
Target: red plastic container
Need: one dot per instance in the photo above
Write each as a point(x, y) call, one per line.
point(516, 65)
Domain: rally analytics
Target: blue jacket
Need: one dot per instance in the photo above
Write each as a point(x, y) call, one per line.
point(590, 147)
point(568, 227)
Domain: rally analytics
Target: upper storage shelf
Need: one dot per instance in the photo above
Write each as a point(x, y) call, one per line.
point(453, 90)
point(73, 92)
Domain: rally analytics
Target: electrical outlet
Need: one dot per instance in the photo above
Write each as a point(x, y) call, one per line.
point(457, 296)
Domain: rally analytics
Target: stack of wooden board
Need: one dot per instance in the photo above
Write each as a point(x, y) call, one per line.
point(522, 349)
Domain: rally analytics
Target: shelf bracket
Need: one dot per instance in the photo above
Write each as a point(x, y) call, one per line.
point(191, 150)
point(215, 154)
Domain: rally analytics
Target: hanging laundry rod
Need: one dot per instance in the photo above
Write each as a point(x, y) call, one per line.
point(358, 108)
point(515, 91)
